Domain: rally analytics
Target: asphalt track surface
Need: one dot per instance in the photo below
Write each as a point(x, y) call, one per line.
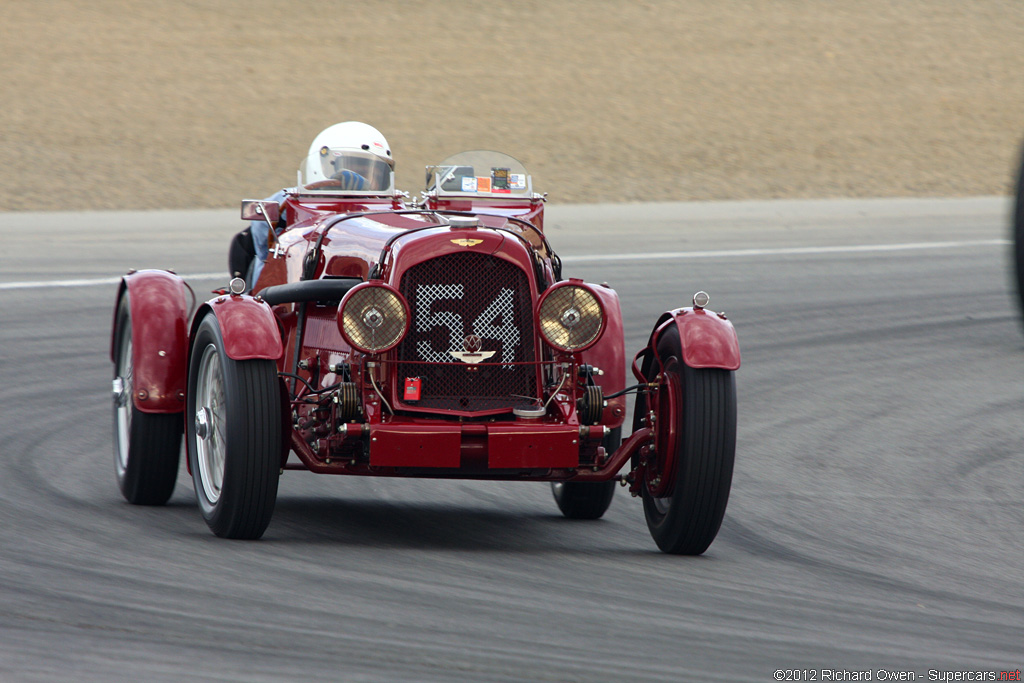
point(876, 520)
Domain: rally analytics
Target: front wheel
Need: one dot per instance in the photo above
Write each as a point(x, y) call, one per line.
point(587, 500)
point(146, 445)
point(693, 416)
point(233, 418)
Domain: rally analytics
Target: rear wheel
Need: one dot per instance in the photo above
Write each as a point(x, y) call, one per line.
point(587, 500)
point(687, 485)
point(146, 445)
point(234, 430)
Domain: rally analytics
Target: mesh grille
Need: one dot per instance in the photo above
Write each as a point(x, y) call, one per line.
point(469, 303)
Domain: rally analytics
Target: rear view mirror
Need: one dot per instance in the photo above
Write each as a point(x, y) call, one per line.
point(260, 210)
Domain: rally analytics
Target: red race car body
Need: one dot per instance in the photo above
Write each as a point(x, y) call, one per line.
point(434, 338)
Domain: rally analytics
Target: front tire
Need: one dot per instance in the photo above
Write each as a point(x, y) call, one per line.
point(685, 519)
point(587, 500)
point(233, 418)
point(146, 445)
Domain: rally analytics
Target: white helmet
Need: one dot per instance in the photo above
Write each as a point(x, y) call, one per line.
point(354, 155)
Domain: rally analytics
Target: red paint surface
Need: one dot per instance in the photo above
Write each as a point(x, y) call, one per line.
point(708, 340)
point(159, 316)
point(248, 327)
point(415, 445)
point(524, 445)
point(609, 354)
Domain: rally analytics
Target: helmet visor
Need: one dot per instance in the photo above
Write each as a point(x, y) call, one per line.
point(355, 170)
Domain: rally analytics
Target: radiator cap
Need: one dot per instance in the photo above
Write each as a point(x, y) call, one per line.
point(532, 413)
point(464, 222)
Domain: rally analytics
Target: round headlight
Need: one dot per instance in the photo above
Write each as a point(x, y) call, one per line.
point(373, 317)
point(570, 317)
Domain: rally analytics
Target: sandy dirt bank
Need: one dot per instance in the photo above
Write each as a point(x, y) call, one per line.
point(116, 104)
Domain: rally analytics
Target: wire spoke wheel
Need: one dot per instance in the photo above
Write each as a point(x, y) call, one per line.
point(123, 391)
point(210, 419)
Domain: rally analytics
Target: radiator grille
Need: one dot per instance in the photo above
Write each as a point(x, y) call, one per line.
point(459, 302)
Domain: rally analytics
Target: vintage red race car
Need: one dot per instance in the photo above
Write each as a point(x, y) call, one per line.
point(429, 338)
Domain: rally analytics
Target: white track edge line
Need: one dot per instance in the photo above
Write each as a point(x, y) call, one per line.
point(598, 258)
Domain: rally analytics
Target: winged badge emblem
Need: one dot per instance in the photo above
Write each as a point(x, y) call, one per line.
point(472, 353)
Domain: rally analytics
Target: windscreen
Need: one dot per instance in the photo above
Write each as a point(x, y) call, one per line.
point(480, 172)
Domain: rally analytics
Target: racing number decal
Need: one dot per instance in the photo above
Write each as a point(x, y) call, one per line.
point(426, 295)
point(495, 323)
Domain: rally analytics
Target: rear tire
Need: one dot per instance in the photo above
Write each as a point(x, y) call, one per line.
point(146, 445)
point(233, 419)
point(686, 521)
point(587, 500)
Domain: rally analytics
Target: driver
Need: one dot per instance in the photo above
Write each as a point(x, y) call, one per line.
point(349, 156)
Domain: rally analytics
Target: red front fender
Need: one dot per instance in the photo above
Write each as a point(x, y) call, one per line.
point(248, 327)
point(707, 338)
point(609, 354)
point(159, 320)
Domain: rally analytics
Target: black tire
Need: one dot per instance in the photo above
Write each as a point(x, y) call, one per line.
point(233, 422)
point(1018, 233)
point(687, 520)
point(241, 253)
point(587, 500)
point(146, 445)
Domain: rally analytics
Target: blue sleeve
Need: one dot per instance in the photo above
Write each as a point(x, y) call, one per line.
point(260, 233)
point(260, 229)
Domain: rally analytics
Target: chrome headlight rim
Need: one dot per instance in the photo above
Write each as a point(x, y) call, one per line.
point(369, 316)
point(569, 314)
